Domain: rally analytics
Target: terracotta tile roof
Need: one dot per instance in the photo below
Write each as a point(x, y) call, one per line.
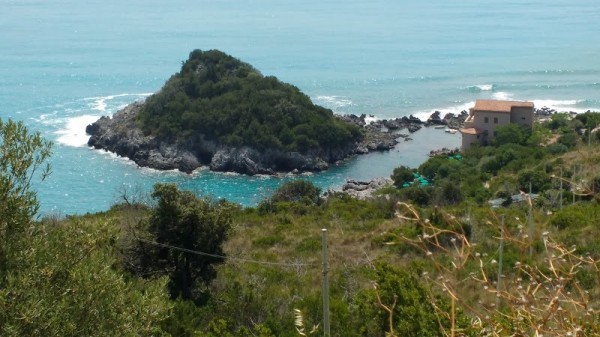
point(500, 106)
point(471, 131)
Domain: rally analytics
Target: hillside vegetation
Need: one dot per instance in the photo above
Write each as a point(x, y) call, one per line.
point(230, 102)
point(425, 260)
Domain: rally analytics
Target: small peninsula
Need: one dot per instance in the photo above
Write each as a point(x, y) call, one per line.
point(221, 112)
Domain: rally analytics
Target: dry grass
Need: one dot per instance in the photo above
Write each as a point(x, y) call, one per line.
point(537, 296)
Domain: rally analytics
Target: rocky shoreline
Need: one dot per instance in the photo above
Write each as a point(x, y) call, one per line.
point(121, 135)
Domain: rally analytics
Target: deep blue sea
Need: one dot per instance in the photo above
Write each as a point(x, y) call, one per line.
point(64, 63)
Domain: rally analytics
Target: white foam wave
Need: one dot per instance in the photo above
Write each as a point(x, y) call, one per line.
point(578, 106)
point(455, 109)
point(148, 171)
point(73, 134)
point(100, 103)
point(561, 105)
point(503, 96)
point(370, 119)
point(333, 102)
point(46, 118)
point(480, 87)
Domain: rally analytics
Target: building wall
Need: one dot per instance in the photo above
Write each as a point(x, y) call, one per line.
point(468, 140)
point(490, 121)
point(522, 116)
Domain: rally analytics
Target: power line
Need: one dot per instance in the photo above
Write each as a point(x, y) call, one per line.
point(196, 252)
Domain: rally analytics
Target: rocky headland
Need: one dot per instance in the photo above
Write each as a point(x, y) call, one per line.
point(122, 135)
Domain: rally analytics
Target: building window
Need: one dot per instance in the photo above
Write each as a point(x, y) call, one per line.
point(486, 120)
point(495, 133)
point(495, 120)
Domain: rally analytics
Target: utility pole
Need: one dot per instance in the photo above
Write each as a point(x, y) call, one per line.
point(530, 219)
point(469, 217)
point(561, 188)
point(326, 329)
point(500, 250)
point(573, 189)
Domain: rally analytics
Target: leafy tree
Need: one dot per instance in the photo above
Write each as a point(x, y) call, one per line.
point(67, 284)
point(589, 120)
point(22, 156)
point(59, 278)
point(180, 225)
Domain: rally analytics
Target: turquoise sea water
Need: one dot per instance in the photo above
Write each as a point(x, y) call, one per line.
point(64, 63)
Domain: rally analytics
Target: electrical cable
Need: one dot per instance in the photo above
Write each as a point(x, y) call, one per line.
point(224, 257)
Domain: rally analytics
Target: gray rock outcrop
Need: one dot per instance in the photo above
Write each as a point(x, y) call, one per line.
point(122, 135)
point(365, 189)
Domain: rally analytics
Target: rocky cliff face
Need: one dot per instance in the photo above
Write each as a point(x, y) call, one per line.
point(121, 135)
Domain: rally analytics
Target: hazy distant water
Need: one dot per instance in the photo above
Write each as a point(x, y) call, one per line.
point(64, 63)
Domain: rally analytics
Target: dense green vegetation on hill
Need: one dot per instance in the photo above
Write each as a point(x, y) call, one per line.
point(541, 157)
point(395, 269)
point(230, 102)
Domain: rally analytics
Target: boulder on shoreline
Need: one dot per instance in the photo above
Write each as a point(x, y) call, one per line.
point(450, 119)
point(365, 189)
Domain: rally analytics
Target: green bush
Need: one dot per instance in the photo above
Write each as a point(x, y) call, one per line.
point(577, 216)
point(413, 313)
point(568, 139)
point(402, 175)
point(511, 134)
point(558, 121)
point(557, 148)
point(268, 241)
point(421, 196)
point(539, 180)
point(297, 191)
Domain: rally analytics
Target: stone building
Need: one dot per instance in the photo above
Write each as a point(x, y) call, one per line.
point(487, 115)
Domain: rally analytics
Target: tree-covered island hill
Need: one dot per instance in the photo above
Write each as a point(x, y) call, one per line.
point(221, 112)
